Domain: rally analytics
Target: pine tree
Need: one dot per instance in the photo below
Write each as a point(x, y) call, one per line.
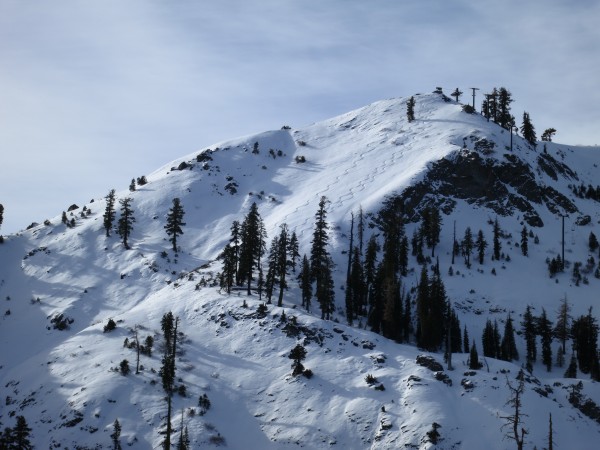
point(360, 230)
point(64, 218)
point(17, 437)
point(593, 242)
point(109, 212)
point(410, 109)
point(465, 340)
point(132, 185)
point(563, 321)
point(349, 305)
point(480, 245)
point(547, 134)
point(529, 333)
point(545, 332)
point(297, 354)
point(527, 130)
point(305, 283)
point(229, 268)
point(272, 269)
point(508, 346)
point(585, 341)
point(293, 250)
point(488, 340)
point(175, 222)
point(283, 263)
point(321, 263)
point(1, 213)
point(234, 243)
point(524, 241)
point(252, 245)
point(474, 363)
point(357, 285)
point(497, 245)
point(504, 117)
point(431, 227)
point(370, 268)
point(571, 371)
point(167, 371)
point(467, 246)
point(116, 435)
point(125, 222)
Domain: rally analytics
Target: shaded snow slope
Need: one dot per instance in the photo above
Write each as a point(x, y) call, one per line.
point(66, 383)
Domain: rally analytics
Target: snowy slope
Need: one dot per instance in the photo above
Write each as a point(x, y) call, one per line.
point(65, 384)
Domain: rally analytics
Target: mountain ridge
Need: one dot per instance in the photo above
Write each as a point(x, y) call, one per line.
point(356, 159)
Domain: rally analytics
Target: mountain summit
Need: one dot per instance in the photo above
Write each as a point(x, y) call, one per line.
point(78, 303)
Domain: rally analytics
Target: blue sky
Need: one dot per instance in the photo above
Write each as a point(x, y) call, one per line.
point(96, 93)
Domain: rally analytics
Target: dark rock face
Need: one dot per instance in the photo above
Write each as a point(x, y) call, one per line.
point(505, 186)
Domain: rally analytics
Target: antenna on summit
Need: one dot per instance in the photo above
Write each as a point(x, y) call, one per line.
point(474, 89)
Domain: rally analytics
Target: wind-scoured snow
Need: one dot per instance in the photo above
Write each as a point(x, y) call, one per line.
point(67, 385)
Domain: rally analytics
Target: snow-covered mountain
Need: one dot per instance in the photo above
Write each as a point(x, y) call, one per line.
point(67, 384)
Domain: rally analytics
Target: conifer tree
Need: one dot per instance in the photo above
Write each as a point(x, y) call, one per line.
point(504, 118)
point(545, 331)
point(283, 262)
point(488, 341)
point(116, 435)
point(370, 266)
point(321, 263)
point(109, 212)
point(357, 285)
point(474, 363)
point(132, 185)
point(467, 246)
point(571, 371)
point(305, 283)
point(563, 323)
point(1, 213)
point(251, 246)
point(376, 300)
point(547, 134)
point(294, 251)
point(529, 333)
point(297, 354)
point(64, 218)
point(167, 371)
point(508, 346)
point(480, 245)
point(527, 130)
point(360, 230)
point(524, 241)
point(175, 222)
point(410, 109)
point(229, 268)
point(431, 226)
point(585, 341)
point(465, 340)
point(496, 242)
point(272, 269)
point(349, 302)
point(125, 222)
point(593, 242)
point(234, 242)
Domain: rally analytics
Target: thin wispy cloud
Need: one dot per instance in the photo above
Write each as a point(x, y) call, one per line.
point(94, 94)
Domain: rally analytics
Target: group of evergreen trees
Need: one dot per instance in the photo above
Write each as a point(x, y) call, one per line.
point(583, 331)
point(17, 437)
point(243, 261)
point(126, 220)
